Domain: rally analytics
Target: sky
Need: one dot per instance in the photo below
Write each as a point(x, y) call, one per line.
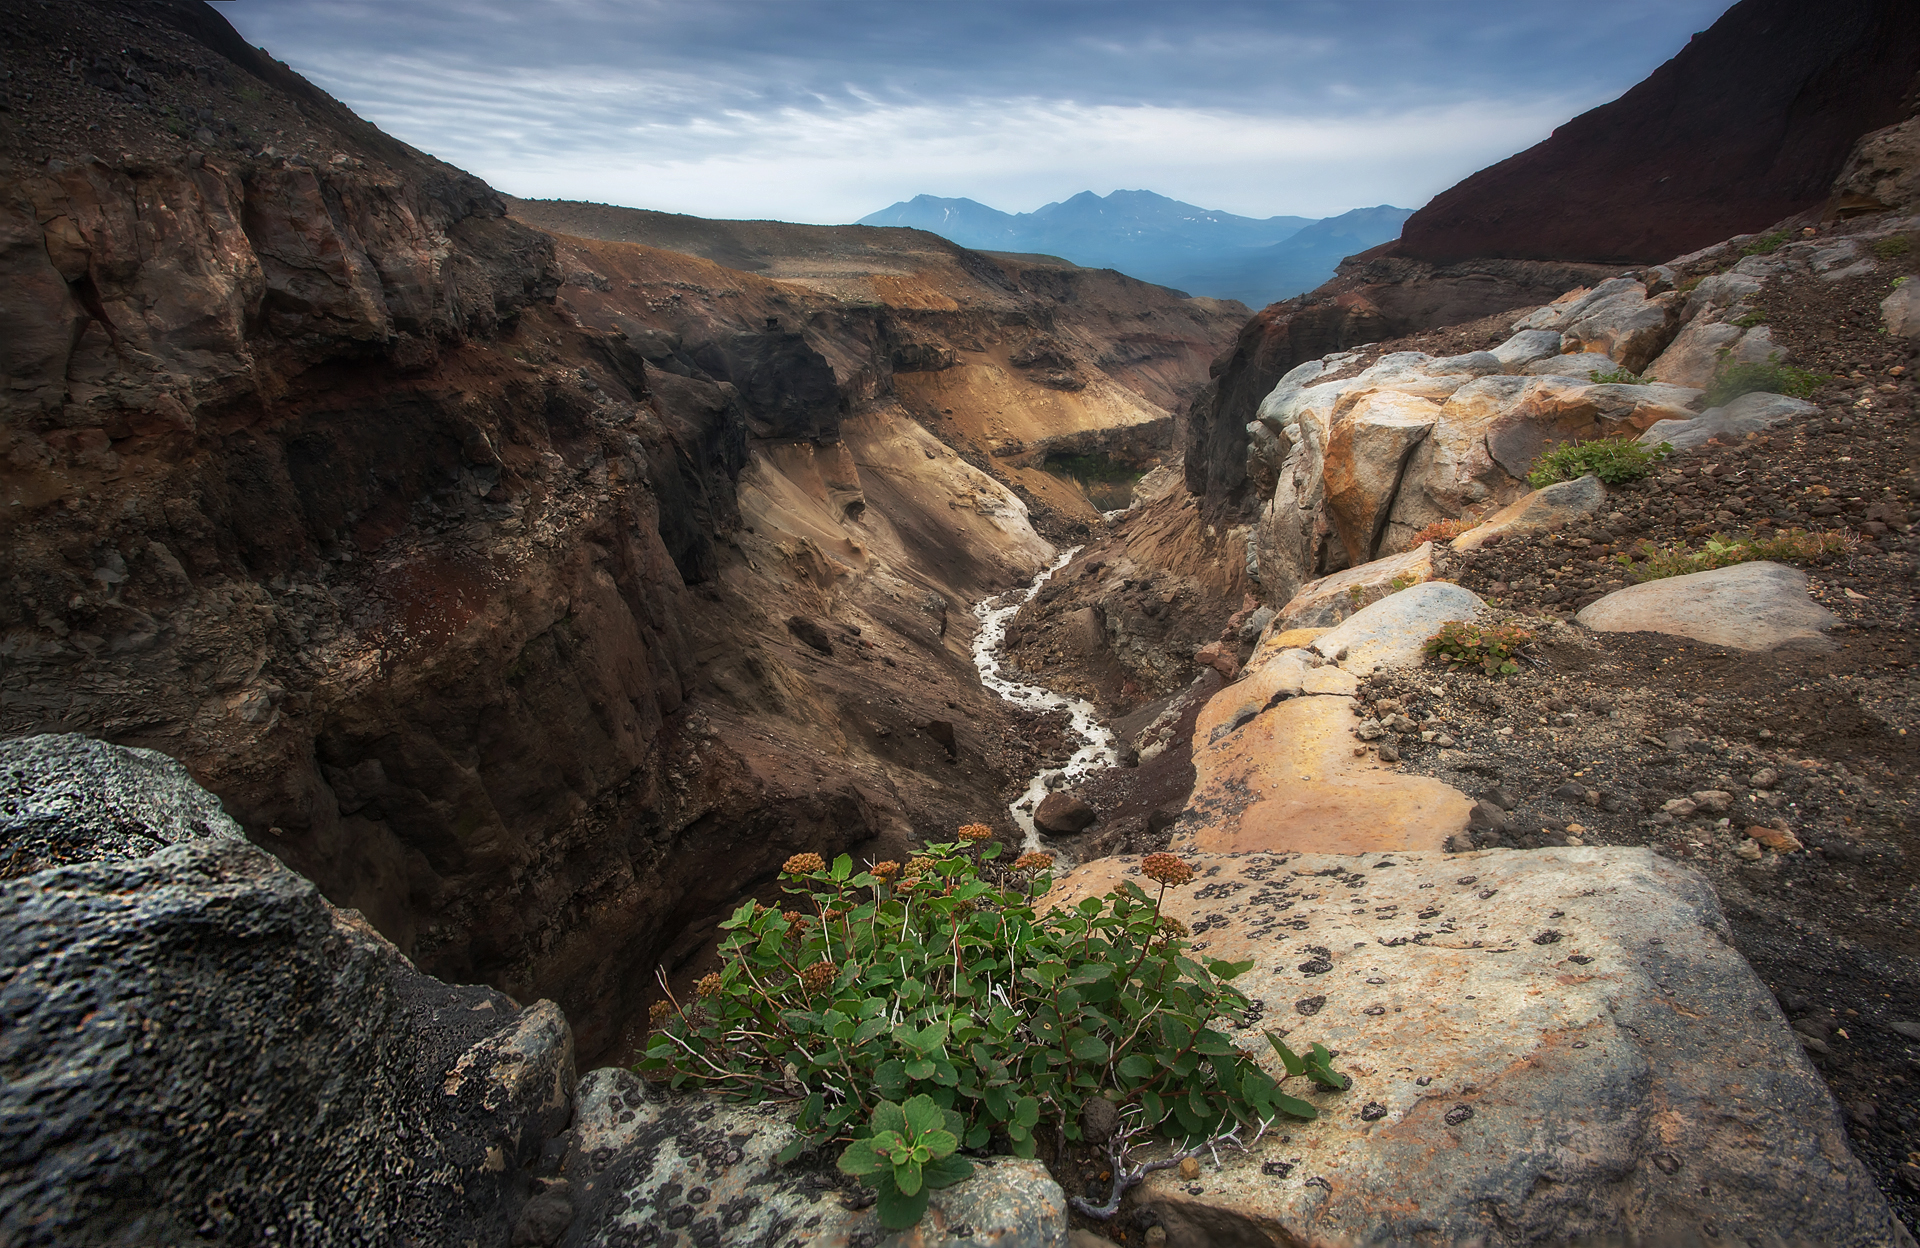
point(827, 110)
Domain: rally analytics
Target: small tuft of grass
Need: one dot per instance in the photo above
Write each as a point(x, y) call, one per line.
point(1766, 244)
point(1613, 460)
point(1657, 562)
point(1620, 377)
point(1442, 531)
point(1733, 380)
point(1892, 248)
point(1750, 320)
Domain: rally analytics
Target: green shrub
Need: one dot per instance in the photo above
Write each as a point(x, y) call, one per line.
point(1720, 551)
point(1892, 248)
point(940, 981)
point(1750, 320)
point(1613, 460)
point(1494, 648)
point(907, 1154)
point(1621, 377)
point(1766, 244)
point(1730, 381)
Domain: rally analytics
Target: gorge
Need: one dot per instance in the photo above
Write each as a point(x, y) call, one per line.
point(429, 614)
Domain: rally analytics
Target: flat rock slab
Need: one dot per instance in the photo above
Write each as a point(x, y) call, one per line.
point(1546, 1047)
point(1542, 511)
point(649, 1168)
point(1759, 606)
point(1729, 425)
point(1331, 599)
point(1283, 776)
point(1393, 632)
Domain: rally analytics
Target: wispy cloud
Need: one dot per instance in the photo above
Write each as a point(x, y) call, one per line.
point(827, 111)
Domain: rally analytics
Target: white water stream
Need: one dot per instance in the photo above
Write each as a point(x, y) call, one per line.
point(1098, 748)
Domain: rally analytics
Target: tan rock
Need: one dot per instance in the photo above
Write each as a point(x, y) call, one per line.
point(1331, 599)
point(1882, 172)
point(1393, 631)
point(1287, 779)
point(1758, 606)
point(1560, 1040)
point(1543, 511)
point(1217, 657)
point(1777, 839)
point(1367, 450)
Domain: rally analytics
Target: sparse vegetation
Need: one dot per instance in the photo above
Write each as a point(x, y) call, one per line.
point(1621, 377)
point(1656, 562)
point(1731, 381)
point(1442, 531)
point(936, 996)
point(1494, 648)
point(1892, 248)
point(1613, 460)
point(1766, 244)
point(1750, 320)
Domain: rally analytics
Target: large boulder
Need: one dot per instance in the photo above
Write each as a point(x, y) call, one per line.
point(1393, 631)
point(1749, 414)
point(1882, 172)
point(1901, 310)
point(1331, 599)
point(1757, 606)
point(199, 1049)
point(651, 1168)
point(1552, 1047)
point(1063, 814)
point(1545, 510)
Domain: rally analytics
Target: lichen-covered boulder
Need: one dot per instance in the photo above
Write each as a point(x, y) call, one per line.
point(199, 1049)
point(646, 1167)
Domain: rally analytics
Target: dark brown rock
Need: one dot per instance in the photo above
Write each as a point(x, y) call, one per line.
point(1063, 814)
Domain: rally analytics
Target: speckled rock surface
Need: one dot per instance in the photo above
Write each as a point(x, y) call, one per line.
point(68, 798)
point(666, 1171)
point(1331, 599)
point(1393, 631)
point(1547, 1047)
point(1544, 510)
point(198, 1049)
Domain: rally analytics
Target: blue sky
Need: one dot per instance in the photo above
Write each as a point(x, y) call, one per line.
point(825, 111)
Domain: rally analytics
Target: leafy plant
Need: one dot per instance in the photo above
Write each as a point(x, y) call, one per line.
point(1621, 377)
point(1442, 531)
point(1686, 287)
point(1494, 648)
point(1750, 320)
point(1656, 562)
point(1766, 244)
point(1892, 248)
point(907, 1154)
point(1613, 460)
point(939, 980)
point(1730, 381)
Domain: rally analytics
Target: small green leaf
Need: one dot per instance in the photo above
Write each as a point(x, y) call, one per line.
point(922, 1116)
point(1295, 1064)
point(899, 1211)
point(907, 1178)
point(946, 1171)
point(868, 1030)
point(1295, 1106)
point(1089, 1049)
point(858, 1158)
point(1026, 1111)
point(842, 868)
point(920, 1068)
point(889, 1117)
point(1134, 1066)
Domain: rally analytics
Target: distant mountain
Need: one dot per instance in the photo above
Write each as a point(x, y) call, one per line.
point(1301, 262)
point(1157, 239)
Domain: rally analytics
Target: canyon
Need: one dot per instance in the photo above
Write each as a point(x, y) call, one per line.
point(429, 613)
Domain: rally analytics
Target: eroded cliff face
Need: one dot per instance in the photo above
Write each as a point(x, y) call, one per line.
point(534, 597)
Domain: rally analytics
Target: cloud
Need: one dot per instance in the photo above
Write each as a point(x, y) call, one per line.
point(828, 111)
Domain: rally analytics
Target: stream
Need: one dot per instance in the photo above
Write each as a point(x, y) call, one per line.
point(1098, 748)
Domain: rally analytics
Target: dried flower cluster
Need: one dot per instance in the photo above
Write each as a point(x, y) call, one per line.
point(659, 1012)
point(1166, 869)
point(885, 870)
point(1033, 861)
point(975, 832)
point(818, 976)
point(709, 985)
point(804, 864)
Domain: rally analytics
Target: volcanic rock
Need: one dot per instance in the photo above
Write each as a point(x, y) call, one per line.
point(1393, 631)
point(1063, 814)
point(1758, 606)
point(1546, 510)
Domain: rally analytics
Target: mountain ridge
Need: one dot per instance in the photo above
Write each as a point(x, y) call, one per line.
point(1159, 239)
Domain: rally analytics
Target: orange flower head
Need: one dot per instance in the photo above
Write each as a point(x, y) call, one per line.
point(818, 976)
point(885, 870)
point(804, 864)
point(660, 1012)
point(1166, 869)
point(976, 832)
point(709, 985)
point(1033, 862)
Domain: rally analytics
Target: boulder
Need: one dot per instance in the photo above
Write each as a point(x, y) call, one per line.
point(1219, 658)
point(1552, 1047)
point(1694, 356)
point(1543, 511)
point(1063, 814)
point(1525, 347)
point(1627, 326)
point(1573, 364)
point(1901, 310)
point(1331, 599)
point(1749, 414)
point(647, 1167)
point(1882, 172)
point(1367, 451)
point(199, 1049)
point(1393, 631)
point(1758, 606)
point(811, 633)
point(1280, 774)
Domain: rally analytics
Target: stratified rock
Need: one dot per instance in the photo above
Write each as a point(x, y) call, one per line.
point(1552, 1047)
point(1393, 632)
point(1577, 364)
point(1063, 814)
point(199, 1049)
point(1750, 413)
point(1758, 606)
point(1545, 510)
point(649, 1168)
point(1331, 599)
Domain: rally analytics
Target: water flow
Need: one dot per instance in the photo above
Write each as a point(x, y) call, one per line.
point(1098, 748)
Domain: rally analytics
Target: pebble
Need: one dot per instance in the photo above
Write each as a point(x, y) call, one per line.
point(1189, 1169)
